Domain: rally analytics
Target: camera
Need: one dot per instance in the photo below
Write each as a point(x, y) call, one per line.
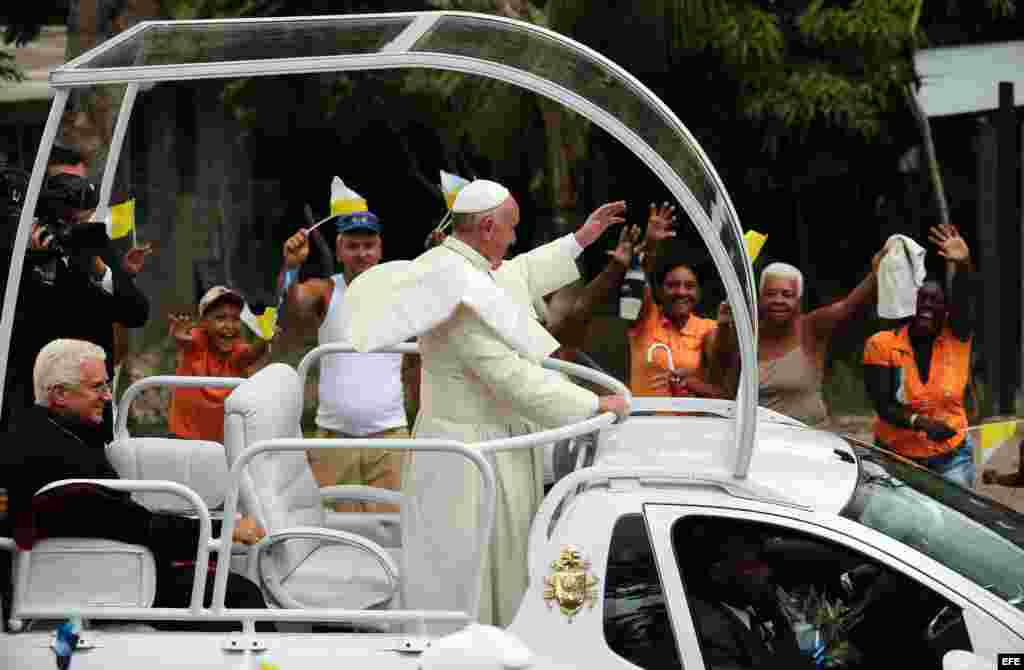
point(61, 195)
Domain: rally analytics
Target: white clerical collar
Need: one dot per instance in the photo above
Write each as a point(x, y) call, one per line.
point(469, 253)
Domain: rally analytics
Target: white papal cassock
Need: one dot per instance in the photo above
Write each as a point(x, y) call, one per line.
point(481, 347)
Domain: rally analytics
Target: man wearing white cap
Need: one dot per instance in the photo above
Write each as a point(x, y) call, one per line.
point(481, 349)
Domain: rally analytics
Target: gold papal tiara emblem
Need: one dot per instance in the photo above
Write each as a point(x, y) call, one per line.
point(571, 583)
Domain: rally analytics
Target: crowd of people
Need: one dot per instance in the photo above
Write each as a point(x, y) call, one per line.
point(483, 324)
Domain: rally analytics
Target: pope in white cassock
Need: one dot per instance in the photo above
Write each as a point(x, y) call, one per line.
point(481, 347)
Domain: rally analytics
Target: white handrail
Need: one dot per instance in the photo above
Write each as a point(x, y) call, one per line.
point(133, 391)
point(156, 486)
point(724, 408)
point(541, 438)
point(318, 352)
point(488, 500)
point(601, 379)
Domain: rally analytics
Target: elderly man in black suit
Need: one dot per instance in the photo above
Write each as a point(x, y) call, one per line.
point(61, 437)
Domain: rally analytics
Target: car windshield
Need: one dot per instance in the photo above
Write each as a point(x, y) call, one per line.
point(972, 535)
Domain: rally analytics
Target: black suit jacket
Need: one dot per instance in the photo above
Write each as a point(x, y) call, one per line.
point(727, 643)
point(68, 305)
point(45, 448)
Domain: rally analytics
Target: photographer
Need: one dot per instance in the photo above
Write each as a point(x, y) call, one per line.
point(71, 286)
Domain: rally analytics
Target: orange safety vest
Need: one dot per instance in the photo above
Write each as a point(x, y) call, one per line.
point(941, 399)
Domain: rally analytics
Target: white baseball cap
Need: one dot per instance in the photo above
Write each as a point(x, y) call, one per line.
point(216, 294)
point(480, 195)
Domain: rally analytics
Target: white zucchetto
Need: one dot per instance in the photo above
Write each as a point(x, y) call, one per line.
point(480, 195)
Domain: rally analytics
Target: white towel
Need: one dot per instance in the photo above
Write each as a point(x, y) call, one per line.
point(900, 275)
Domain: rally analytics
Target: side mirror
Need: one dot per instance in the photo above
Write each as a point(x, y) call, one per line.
point(965, 660)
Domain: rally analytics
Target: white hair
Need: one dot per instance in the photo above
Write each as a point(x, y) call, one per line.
point(59, 363)
point(782, 271)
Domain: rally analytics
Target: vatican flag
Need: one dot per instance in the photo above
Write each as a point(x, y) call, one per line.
point(754, 241)
point(451, 184)
point(262, 325)
point(119, 219)
point(344, 200)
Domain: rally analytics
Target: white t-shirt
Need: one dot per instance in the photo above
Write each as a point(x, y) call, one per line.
point(360, 394)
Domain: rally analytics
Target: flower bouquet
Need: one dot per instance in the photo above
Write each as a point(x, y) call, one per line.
point(821, 626)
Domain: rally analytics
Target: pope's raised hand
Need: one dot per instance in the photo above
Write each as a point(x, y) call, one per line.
point(599, 221)
point(296, 249)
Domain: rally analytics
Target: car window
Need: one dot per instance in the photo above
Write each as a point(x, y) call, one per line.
point(636, 622)
point(766, 596)
point(968, 533)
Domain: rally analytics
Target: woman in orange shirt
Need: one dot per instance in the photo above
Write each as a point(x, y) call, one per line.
point(667, 318)
point(916, 375)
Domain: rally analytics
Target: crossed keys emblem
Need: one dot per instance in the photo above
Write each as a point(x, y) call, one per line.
point(571, 583)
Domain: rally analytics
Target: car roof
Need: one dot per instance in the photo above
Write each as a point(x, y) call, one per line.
point(807, 467)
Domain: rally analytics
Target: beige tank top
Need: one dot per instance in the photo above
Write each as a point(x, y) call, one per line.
point(791, 385)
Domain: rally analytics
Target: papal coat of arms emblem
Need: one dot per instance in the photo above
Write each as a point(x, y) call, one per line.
point(571, 583)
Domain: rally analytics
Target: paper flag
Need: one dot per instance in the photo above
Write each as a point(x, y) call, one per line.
point(451, 184)
point(262, 325)
point(119, 219)
point(991, 436)
point(344, 200)
point(754, 241)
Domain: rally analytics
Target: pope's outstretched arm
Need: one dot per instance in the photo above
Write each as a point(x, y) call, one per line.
point(551, 266)
point(536, 394)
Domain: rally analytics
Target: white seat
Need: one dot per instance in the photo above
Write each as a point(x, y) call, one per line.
point(302, 563)
point(202, 466)
point(84, 572)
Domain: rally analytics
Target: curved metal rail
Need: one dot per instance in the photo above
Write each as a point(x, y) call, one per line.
point(484, 532)
point(136, 389)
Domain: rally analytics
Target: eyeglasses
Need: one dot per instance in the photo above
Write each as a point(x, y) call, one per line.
point(98, 389)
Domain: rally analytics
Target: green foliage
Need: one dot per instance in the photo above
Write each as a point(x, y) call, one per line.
point(9, 70)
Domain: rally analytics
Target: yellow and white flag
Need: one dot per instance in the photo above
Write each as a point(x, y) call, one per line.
point(754, 241)
point(344, 200)
point(451, 184)
point(262, 325)
point(119, 219)
point(988, 437)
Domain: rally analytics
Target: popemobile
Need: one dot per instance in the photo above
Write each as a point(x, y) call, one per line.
point(695, 534)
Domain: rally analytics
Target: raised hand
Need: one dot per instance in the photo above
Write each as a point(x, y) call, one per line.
point(296, 249)
point(951, 245)
point(661, 222)
point(627, 246)
point(181, 326)
point(724, 313)
point(599, 221)
point(135, 258)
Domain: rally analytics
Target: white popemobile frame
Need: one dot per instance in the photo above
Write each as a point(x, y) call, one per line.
point(715, 220)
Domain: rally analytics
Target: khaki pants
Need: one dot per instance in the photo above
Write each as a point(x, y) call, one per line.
point(365, 467)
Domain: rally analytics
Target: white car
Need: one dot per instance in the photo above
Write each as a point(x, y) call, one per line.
point(722, 537)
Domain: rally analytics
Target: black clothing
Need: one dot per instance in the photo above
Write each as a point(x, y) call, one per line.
point(57, 299)
point(727, 642)
point(45, 448)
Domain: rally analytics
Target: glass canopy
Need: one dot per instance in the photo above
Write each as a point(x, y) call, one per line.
point(517, 53)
